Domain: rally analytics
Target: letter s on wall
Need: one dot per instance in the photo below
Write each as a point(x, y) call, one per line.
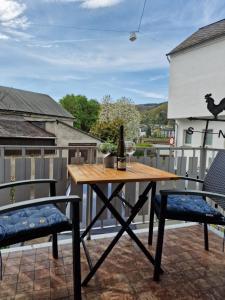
point(190, 130)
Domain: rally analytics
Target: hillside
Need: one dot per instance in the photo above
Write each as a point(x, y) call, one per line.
point(147, 106)
point(154, 113)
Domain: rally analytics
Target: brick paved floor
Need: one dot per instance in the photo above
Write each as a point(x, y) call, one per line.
point(190, 272)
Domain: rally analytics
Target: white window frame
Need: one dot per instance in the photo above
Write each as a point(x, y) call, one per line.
point(206, 144)
point(184, 138)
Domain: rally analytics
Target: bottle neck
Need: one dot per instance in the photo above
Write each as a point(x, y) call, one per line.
point(121, 133)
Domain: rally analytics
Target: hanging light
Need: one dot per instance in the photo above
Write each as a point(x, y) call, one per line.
point(133, 36)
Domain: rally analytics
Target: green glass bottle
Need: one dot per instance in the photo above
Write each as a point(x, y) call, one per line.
point(121, 158)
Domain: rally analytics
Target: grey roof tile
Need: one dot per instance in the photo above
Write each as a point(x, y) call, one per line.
point(13, 128)
point(24, 101)
point(206, 33)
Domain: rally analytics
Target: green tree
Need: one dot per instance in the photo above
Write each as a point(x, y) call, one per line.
point(124, 110)
point(84, 111)
point(106, 108)
point(107, 130)
point(155, 116)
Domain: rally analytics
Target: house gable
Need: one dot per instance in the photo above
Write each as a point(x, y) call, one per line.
point(202, 35)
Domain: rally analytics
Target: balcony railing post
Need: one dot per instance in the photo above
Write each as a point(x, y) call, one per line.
point(203, 158)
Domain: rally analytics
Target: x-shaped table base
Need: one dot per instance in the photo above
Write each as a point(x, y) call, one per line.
point(124, 224)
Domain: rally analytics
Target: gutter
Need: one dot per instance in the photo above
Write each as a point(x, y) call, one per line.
point(168, 58)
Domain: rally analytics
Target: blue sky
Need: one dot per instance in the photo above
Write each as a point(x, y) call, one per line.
point(46, 48)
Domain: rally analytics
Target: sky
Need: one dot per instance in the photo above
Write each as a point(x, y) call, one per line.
point(61, 47)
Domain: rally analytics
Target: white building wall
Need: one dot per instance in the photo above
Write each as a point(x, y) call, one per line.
point(197, 137)
point(193, 74)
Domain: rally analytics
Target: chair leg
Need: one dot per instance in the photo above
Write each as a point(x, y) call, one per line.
point(55, 246)
point(152, 213)
point(159, 247)
point(206, 238)
point(76, 252)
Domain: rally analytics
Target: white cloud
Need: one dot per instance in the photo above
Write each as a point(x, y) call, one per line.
point(147, 94)
point(59, 43)
point(18, 35)
point(4, 37)
point(159, 77)
point(57, 78)
point(11, 14)
point(104, 57)
point(92, 4)
point(62, 1)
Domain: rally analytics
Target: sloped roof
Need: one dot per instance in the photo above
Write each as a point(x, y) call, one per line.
point(22, 129)
point(29, 102)
point(206, 33)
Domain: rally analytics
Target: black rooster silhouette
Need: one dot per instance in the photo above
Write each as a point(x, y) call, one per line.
point(215, 109)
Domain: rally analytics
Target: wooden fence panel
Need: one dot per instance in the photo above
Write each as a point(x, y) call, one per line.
point(104, 188)
point(181, 170)
point(166, 164)
point(60, 174)
point(145, 209)
point(23, 172)
point(42, 171)
point(5, 176)
point(78, 189)
point(130, 195)
point(153, 162)
point(116, 202)
point(192, 172)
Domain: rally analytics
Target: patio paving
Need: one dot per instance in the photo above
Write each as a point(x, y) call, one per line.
point(190, 272)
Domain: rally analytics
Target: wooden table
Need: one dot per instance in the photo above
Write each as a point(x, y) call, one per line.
point(92, 174)
point(96, 174)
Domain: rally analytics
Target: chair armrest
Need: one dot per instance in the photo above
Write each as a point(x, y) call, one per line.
point(40, 201)
point(193, 192)
point(191, 179)
point(24, 182)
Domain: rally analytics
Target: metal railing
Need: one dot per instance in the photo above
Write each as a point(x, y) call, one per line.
point(35, 162)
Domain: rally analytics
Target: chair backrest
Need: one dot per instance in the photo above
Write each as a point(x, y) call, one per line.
point(215, 179)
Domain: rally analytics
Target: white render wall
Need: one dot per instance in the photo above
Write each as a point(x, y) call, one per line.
point(194, 73)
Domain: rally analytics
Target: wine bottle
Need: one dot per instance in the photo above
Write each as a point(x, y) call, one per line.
point(121, 158)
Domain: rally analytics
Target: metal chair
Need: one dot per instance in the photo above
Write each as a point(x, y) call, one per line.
point(190, 205)
point(26, 220)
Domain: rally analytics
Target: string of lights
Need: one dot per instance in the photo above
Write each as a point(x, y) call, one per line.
point(132, 33)
point(91, 29)
point(142, 15)
point(79, 28)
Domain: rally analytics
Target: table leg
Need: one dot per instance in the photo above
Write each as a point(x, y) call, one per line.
point(125, 227)
point(89, 210)
point(151, 214)
point(115, 192)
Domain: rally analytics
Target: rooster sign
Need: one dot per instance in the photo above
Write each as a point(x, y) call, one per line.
point(215, 109)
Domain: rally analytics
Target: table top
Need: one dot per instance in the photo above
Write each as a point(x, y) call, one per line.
point(137, 172)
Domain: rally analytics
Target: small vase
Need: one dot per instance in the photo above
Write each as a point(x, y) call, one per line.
point(109, 162)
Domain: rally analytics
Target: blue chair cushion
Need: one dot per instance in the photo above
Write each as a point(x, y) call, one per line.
point(188, 208)
point(27, 221)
